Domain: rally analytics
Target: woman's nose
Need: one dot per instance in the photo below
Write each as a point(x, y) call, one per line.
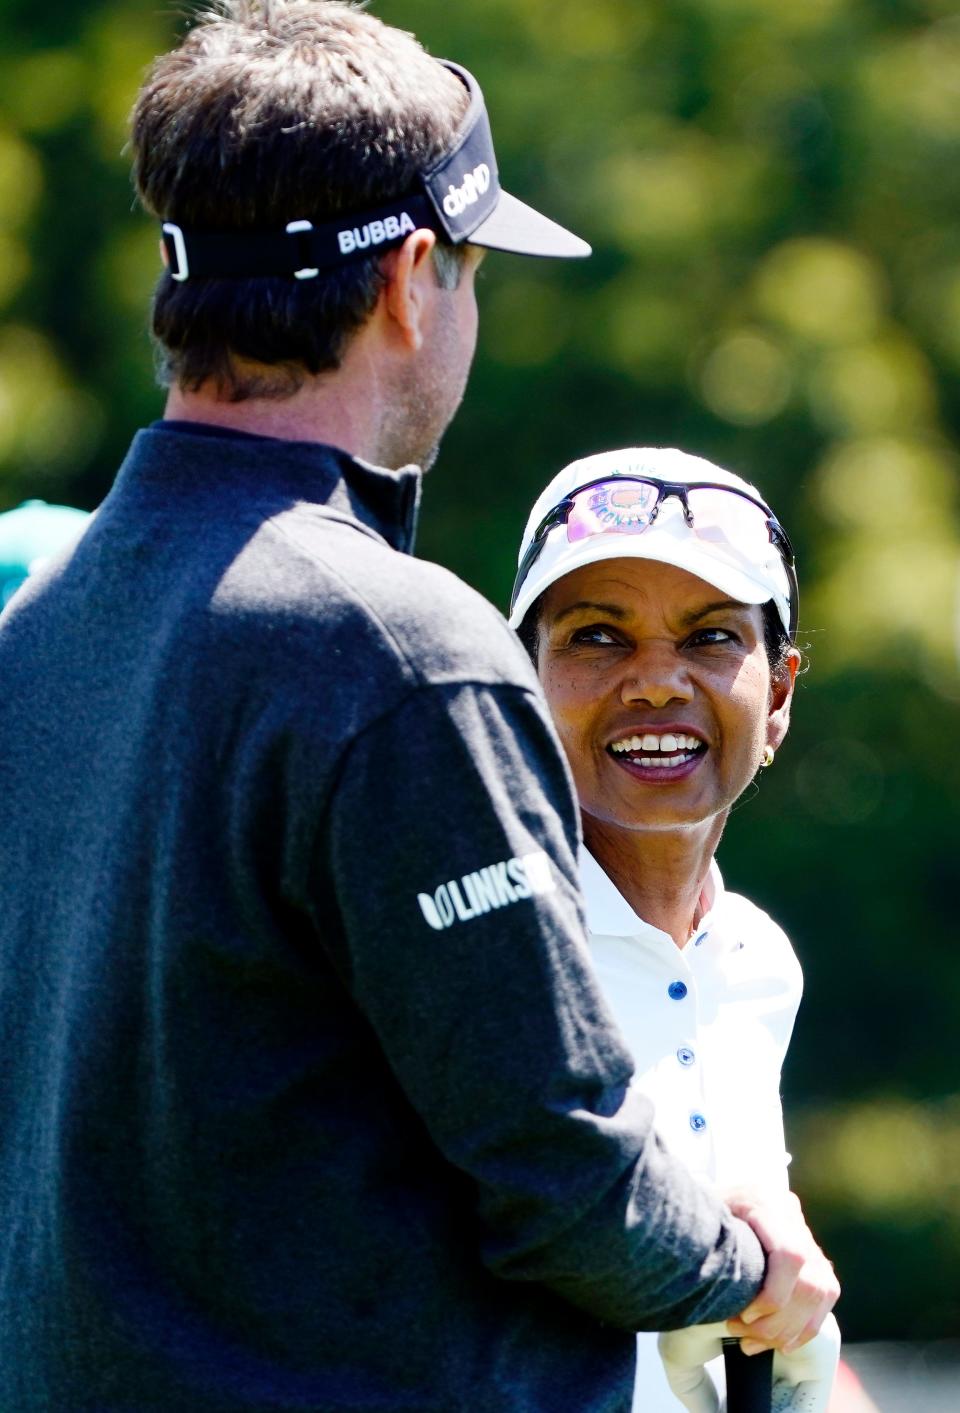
point(656, 677)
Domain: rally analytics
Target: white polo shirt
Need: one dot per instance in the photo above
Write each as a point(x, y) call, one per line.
point(708, 1027)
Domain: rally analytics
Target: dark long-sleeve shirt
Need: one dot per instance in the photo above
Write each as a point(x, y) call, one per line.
point(308, 1099)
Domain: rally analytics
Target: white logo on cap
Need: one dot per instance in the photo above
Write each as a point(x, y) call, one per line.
point(475, 185)
point(375, 233)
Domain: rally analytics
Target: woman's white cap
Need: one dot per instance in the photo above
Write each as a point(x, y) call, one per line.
point(749, 578)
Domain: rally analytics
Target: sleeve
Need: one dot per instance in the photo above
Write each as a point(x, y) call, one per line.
point(450, 849)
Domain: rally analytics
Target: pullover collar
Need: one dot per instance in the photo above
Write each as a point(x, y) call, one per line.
point(192, 459)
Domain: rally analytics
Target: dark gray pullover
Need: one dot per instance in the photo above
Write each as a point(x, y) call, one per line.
point(308, 1099)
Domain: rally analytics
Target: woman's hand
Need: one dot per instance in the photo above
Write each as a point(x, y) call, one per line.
point(685, 1353)
point(802, 1381)
point(800, 1289)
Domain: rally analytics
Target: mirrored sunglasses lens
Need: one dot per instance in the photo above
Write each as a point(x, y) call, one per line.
point(619, 506)
point(721, 517)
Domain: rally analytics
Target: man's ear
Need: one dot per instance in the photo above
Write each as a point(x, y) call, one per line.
point(411, 283)
point(781, 697)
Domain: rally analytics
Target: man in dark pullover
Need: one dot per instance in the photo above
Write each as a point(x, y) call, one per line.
point(309, 1100)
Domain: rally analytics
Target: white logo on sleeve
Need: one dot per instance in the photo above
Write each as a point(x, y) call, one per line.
point(496, 886)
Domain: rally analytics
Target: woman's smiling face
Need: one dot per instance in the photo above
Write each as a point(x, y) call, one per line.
point(661, 690)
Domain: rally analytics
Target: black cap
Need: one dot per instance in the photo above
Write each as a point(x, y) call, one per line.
point(460, 197)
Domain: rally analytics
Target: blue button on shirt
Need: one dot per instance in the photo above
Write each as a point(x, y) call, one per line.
point(677, 990)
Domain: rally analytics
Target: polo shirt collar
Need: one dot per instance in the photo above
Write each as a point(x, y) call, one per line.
point(610, 915)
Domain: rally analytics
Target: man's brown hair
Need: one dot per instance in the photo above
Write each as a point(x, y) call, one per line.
point(272, 111)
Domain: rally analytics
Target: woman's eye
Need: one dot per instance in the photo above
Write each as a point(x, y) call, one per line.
point(594, 634)
point(710, 637)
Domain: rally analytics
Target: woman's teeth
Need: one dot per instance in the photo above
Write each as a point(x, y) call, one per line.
point(662, 744)
point(658, 752)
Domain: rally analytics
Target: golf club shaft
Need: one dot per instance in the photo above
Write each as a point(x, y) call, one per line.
point(749, 1379)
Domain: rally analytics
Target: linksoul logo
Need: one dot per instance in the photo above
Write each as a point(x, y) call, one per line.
point(496, 886)
point(475, 185)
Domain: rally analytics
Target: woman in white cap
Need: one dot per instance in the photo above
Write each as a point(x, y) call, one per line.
point(657, 597)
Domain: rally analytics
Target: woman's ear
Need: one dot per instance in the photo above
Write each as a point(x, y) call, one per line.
point(782, 683)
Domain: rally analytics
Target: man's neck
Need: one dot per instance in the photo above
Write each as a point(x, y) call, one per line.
point(343, 407)
point(300, 418)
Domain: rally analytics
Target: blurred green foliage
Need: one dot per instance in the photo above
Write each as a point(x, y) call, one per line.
point(772, 193)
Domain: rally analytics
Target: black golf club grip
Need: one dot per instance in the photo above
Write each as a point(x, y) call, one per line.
point(749, 1379)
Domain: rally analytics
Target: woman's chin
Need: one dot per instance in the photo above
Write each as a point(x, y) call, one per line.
point(659, 816)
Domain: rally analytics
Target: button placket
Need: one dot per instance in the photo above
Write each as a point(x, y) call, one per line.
point(683, 993)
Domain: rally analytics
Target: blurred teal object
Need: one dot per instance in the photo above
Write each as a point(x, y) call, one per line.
point(31, 534)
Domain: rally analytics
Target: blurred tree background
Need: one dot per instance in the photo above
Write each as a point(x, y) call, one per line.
point(772, 191)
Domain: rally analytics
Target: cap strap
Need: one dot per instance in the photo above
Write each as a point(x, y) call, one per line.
point(459, 193)
point(300, 251)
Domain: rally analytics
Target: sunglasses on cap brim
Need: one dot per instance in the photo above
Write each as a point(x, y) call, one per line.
point(629, 505)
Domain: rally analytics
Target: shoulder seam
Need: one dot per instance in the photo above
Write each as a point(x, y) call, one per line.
point(355, 594)
point(412, 671)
